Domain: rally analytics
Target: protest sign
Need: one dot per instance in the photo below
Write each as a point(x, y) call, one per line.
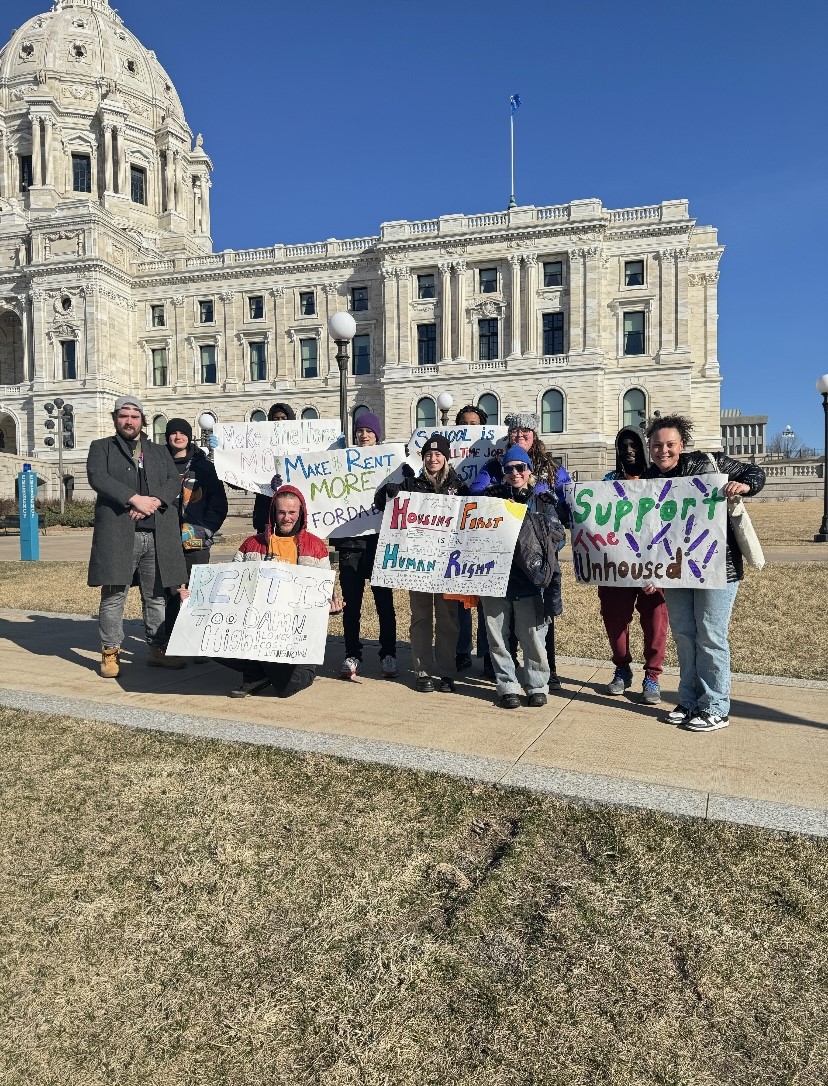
point(471, 447)
point(666, 532)
point(442, 543)
point(339, 486)
point(249, 453)
point(255, 611)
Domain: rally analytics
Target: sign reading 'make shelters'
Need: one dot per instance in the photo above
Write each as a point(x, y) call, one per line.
point(255, 611)
point(666, 532)
point(248, 453)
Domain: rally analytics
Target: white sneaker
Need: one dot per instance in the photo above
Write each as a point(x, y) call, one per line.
point(350, 666)
point(706, 722)
point(389, 667)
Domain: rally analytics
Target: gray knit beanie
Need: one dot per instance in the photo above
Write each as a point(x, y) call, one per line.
point(522, 420)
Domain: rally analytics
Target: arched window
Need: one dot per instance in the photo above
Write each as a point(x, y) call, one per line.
point(310, 413)
point(159, 427)
point(426, 413)
point(258, 416)
point(552, 412)
point(635, 407)
point(491, 406)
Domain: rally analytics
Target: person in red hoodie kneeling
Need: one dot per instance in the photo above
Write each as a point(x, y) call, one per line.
point(284, 539)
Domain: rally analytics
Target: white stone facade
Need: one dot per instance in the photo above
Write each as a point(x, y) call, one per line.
point(126, 276)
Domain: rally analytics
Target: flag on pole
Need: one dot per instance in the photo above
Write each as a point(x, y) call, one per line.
point(514, 102)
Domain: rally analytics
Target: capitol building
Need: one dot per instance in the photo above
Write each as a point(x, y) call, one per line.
point(592, 317)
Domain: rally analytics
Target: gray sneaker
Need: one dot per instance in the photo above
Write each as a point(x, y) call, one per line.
point(621, 681)
point(650, 692)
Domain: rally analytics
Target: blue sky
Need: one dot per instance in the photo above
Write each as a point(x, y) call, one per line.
point(325, 120)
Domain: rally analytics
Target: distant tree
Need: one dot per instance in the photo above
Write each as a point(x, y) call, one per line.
point(784, 444)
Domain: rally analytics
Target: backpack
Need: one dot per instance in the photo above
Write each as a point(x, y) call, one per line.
point(536, 554)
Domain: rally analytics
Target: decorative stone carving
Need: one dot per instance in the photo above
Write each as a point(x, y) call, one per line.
point(19, 93)
point(453, 248)
point(486, 307)
point(226, 296)
point(460, 266)
point(673, 254)
point(277, 292)
point(696, 279)
point(592, 250)
point(530, 260)
point(178, 301)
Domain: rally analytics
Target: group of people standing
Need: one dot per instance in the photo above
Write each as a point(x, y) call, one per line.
point(158, 509)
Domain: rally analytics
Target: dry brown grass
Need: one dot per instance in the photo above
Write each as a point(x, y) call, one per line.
point(185, 913)
point(786, 524)
point(778, 625)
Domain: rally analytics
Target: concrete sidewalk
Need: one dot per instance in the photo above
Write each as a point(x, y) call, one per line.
point(768, 768)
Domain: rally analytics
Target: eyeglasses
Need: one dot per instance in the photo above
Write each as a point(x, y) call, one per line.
point(521, 431)
point(518, 468)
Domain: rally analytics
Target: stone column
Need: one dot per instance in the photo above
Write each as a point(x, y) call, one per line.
point(682, 305)
point(530, 260)
point(37, 159)
point(445, 311)
point(403, 322)
point(332, 369)
point(711, 319)
point(32, 341)
point(123, 175)
point(514, 309)
point(278, 296)
point(592, 299)
point(576, 301)
point(666, 338)
point(108, 157)
point(389, 300)
point(48, 172)
point(460, 307)
point(5, 188)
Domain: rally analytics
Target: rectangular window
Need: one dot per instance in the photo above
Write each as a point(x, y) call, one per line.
point(255, 307)
point(25, 173)
point(488, 339)
point(138, 184)
point(634, 332)
point(362, 355)
point(553, 333)
point(158, 317)
point(488, 280)
point(307, 303)
point(258, 361)
point(68, 357)
point(359, 299)
point(426, 344)
point(553, 273)
point(208, 364)
point(309, 351)
point(426, 287)
point(633, 273)
point(159, 366)
point(206, 313)
point(81, 173)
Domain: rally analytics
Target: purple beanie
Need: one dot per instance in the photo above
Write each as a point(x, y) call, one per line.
point(368, 421)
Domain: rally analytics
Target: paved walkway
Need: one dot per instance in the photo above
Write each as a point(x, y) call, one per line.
point(767, 769)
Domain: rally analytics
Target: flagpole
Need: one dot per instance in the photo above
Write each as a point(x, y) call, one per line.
point(512, 202)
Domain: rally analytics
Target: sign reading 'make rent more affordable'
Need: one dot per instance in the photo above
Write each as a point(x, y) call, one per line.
point(444, 544)
point(249, 453)
point(339, 486)
point(255, 611)
point(666, 532)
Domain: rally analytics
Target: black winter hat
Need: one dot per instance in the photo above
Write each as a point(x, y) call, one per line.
point(179, 426)
point(436, 443)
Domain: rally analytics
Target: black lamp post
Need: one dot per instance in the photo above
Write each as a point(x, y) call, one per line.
point(342, 329)
point(822, 534)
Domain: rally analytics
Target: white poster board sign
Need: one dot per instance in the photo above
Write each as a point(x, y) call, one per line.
point(339, 486)
point(255, 611)
point(444, 544)
point(471, 447)
point(666, 532)
point(248, 453)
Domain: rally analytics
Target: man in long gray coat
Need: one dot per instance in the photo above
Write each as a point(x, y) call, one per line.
point(137, 535)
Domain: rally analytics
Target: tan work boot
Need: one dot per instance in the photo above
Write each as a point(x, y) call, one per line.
point(157, 657)
point(110, 663)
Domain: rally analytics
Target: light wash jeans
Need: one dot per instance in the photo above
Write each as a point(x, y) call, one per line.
point(530, 630)
point(153, 597)
point(699, 621)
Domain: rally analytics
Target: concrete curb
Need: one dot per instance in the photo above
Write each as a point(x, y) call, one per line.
point(588, 787)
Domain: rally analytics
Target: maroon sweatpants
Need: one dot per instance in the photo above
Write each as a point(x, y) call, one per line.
point(617, 606)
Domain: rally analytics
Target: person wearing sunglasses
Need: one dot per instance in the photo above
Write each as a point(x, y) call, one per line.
point(522, 610)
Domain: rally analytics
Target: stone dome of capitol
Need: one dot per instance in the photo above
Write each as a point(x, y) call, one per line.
point(81, 53)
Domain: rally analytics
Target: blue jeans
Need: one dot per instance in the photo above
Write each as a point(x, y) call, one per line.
point(153, 597)
point(699, 621)
point(530, 629)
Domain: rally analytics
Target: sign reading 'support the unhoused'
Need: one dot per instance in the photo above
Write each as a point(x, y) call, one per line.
point(339, 486)
point(471, 447)
point(666, 532)
point(249, 454)
point(444, 544)
point(255, 611)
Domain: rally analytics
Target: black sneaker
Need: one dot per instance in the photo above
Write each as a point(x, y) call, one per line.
point(706, 722)
point(509, 701)
point(424, 683)
point(445, 686)
point(462, 661)
point(535, 701)
point(680, 715)
point(554, 681)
